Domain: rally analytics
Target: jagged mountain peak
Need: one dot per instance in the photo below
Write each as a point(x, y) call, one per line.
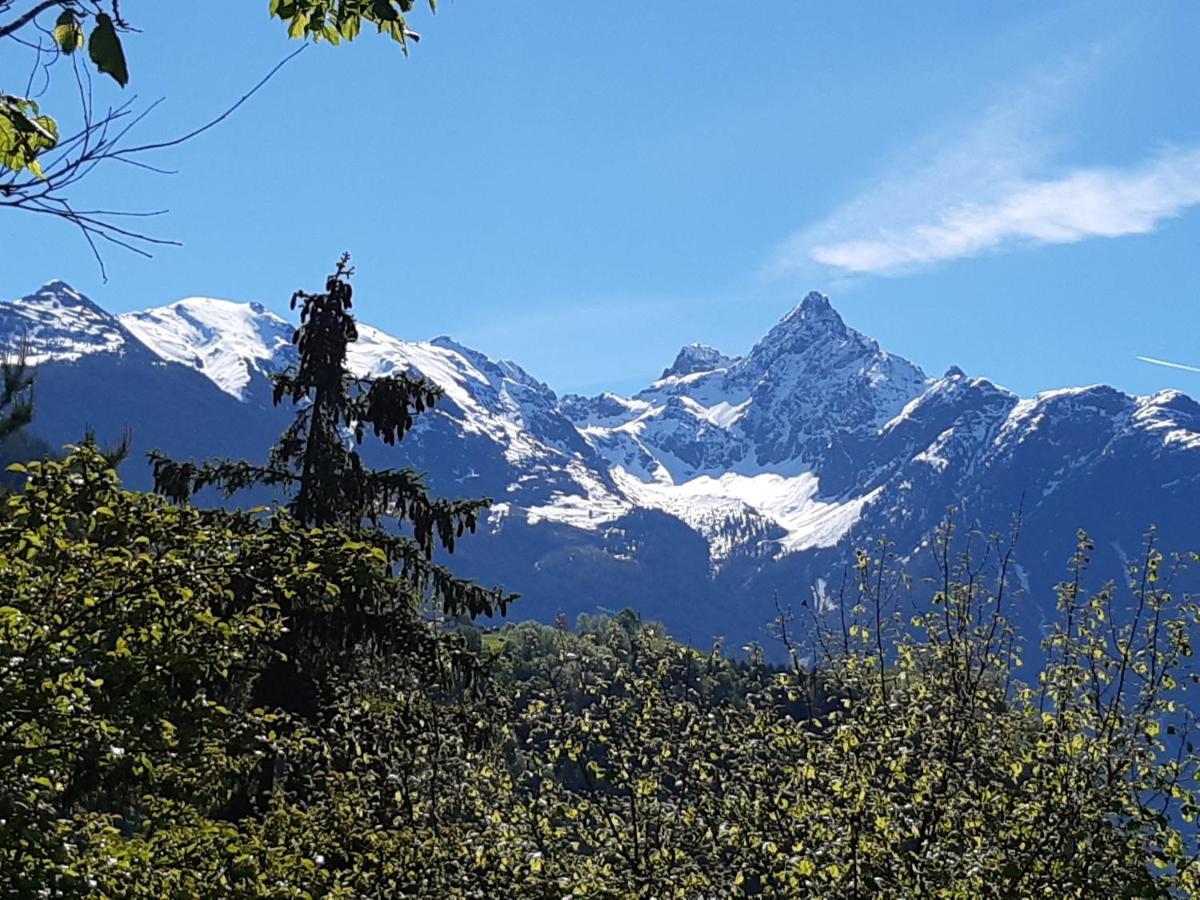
point(57, 289)
point(500, 368)
point(814, 304)
point(1095, 399)
point(813, 309)
point(956, 402)
point(693, 358)
point(813, 326)
point(1173, 399)
point(812, 376)
point(58, 322)
point(809, 382)
point(1173, 414)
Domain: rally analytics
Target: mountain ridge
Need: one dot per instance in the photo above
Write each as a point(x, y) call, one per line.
point(776, 462)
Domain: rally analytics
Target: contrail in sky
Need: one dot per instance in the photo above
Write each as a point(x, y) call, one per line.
point(1168, 364)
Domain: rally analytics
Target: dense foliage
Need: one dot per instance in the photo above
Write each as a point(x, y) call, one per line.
point(135, 636)
point(138, 758)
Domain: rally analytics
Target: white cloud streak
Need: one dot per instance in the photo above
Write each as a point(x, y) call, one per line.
point(1168, 364)
point(989, 185)
point(1086, 203)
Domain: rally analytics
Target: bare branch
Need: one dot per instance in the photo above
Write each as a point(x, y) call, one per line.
point(223, 116)
point(100, 139)
point(21, 21)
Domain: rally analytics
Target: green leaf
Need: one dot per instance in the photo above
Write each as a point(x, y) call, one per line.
point(104, 47)
point(384, 11)
point(298, 26)
point(68, 33)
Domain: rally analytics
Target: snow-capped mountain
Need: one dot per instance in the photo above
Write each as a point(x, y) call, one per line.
point(737, 443)
point(228, 342)
point(726, 481)
point(59, 324)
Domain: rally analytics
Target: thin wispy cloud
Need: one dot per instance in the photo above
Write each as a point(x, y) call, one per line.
point(1169, 364)
point(1085, 203)
point(992, 186)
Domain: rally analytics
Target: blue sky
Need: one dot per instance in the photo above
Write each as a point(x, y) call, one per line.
point(1012, 188)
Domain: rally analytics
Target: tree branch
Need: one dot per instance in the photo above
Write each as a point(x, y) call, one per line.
point(223, 116)
point(21, 21)
point(100, 139)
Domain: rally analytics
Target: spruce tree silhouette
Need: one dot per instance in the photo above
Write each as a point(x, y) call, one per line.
point(316, 464)
point(16, 393)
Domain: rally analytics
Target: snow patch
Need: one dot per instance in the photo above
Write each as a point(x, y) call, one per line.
point(791, 502)
point(223, 339)
point(58, 323)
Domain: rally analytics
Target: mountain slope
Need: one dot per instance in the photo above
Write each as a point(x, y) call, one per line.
point(93, 373)
point(230, 343)
point(58, 323)
point(726, 482)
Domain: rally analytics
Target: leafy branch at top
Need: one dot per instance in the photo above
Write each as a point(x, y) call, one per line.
point(339, 20)
point(40, 163)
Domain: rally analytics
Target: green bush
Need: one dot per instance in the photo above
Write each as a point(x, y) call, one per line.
point(138, 759)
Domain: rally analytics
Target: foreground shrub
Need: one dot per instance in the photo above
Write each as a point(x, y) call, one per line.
point(142, 756)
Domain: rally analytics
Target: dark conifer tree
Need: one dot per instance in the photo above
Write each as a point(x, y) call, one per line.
point(317, 465)
point(16, 394)
point(16, 411)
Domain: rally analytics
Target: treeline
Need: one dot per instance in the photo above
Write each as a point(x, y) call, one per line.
point(294, 702)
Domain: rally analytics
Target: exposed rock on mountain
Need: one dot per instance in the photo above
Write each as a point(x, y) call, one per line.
point(725, 482)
